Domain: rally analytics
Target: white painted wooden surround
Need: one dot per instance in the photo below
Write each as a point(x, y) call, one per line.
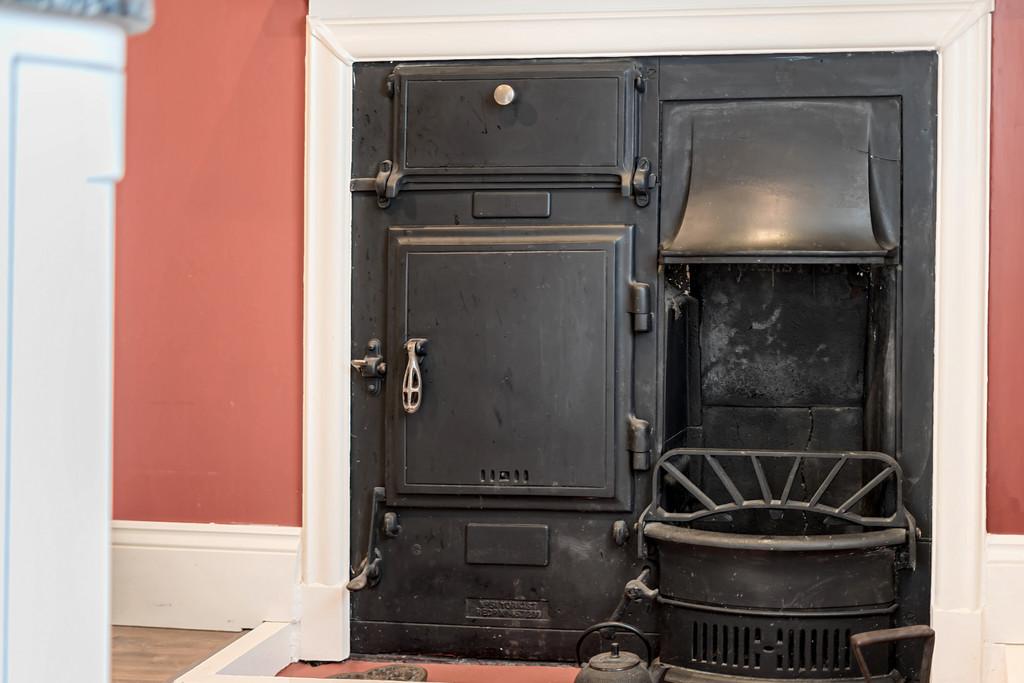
point(61, 133)
point(971, 634)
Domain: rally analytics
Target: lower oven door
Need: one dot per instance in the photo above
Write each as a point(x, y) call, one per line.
point(509, 366)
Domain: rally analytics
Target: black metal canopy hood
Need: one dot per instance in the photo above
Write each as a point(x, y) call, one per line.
point(782, 179)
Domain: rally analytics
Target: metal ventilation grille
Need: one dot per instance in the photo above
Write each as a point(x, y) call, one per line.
point(795, 650)
point(505, 476)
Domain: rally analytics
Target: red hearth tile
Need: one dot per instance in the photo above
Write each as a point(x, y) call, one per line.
point(454, 672)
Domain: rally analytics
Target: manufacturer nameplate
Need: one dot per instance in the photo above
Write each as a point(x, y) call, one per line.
point(514, 610)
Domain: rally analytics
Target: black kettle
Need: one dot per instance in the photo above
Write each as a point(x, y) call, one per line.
point(614, 666)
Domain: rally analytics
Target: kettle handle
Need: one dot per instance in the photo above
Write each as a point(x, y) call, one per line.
point(618, 626)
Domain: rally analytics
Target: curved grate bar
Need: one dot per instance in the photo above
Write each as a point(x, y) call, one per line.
point(674, 465)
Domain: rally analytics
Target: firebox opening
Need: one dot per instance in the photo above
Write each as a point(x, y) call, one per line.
point(782, 357)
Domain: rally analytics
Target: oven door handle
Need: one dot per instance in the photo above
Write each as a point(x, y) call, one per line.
point(412, 379)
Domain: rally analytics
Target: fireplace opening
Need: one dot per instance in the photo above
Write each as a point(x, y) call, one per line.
point(777, 515)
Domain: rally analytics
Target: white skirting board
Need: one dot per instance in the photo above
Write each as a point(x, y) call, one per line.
point(1004, 602)
point(221, 577)
point(1014, 662)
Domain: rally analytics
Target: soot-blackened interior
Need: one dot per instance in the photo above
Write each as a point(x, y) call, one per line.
point(781, 357)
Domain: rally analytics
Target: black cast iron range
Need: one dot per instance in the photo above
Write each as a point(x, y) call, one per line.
point(661, 323)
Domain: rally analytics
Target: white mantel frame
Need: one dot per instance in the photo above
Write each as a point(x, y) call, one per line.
point(341, 33)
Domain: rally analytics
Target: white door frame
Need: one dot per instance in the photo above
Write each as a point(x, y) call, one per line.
point(341, 33)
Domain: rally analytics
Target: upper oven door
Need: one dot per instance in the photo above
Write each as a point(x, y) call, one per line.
point(521, 388)
point(565, 123)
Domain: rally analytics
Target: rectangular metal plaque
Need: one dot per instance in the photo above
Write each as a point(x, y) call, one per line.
point(515, 610)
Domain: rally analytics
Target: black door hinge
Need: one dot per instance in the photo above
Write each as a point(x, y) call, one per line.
point(644, 180)
point(640, 306)
point(638, 443)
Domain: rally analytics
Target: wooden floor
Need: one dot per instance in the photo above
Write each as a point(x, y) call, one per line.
point(157, 655)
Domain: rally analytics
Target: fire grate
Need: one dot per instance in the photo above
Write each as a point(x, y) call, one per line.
point(683, 467)
point(760, 606)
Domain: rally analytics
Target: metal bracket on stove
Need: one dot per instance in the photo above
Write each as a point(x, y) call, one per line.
point(640, 306)
point(638, 443)
point(367, 574)
point(638, 589)
point(913, 534)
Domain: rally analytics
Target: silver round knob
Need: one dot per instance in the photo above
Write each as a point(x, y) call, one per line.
point(504, 94)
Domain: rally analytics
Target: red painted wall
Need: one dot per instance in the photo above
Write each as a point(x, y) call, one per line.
point(1006, 316)
point(208, 338)
point(209, 268)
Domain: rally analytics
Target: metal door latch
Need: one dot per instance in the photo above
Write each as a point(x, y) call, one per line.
point(383, 185)
point(412, 380)
point(644, 180)
point(372, 367)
